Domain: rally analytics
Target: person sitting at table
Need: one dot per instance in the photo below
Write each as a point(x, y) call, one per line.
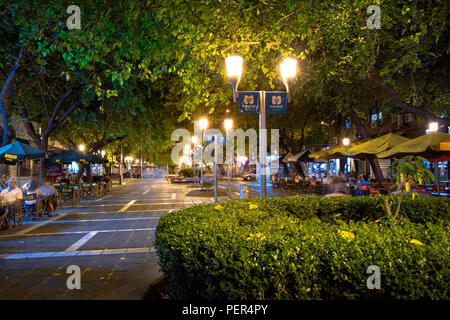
point(10, 195)
point(362, 180)
point(65, 179)
point(33, 189)
point(26, 185)
point(49, 191)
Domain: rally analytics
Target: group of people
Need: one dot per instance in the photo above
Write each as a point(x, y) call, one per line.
point(13, 193)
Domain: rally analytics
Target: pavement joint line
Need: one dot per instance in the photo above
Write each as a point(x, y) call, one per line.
point(146, 191)
point(82, 241)
point(55, 254)
point(104, 220)
point(125, 207)
point(31, 228)
point(74, 232)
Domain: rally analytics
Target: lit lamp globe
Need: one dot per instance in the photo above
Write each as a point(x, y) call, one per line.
point(346, 141)
point(81, 147)
point(228, 124)
point(288, 70)
point(234, 71)
point(203, 124)
point(433, 126)
point(194, 140)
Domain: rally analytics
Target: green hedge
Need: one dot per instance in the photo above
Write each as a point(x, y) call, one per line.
point(279, 248)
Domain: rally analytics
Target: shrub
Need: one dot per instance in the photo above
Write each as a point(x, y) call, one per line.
point(186, 172)
point(207, 184)
point(305, 248)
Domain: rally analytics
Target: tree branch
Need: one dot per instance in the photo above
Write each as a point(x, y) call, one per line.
point(29, 127)
point(56, 108)
point(400, 104)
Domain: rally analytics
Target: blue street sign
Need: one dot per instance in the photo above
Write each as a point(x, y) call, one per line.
point(276, 102)
point(248, 101)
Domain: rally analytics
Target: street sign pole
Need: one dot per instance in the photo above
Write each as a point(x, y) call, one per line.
point(215, 168)
point(201, 163)
point(228, 169)
point(193, 164)
point(262, 144)
point(120, 166)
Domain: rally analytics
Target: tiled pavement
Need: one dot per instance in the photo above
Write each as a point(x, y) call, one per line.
point(110, 239)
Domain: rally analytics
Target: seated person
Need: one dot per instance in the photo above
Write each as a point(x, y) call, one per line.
point(10, 195)
point(26, 185)
point(362, 180)
point(65, 179)
point(49, 191)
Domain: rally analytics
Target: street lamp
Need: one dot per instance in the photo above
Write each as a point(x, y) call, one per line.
point(234, 71)
point(81, 147)
point(203, 126)
point(346, 141)
point(194, 142)
point(433, 126)
point(228, 125)
point(288, 70)
point(103, 153)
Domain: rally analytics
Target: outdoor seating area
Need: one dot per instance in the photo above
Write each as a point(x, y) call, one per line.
point(432, 148)
point(41, 200)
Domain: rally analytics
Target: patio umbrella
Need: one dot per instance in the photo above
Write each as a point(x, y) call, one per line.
point(69, 156)
point(339, 151)
point(371, 147)
point(301, 156)
point(430, 146)
point(286, 157)
point(92, 158)
point(16, 151)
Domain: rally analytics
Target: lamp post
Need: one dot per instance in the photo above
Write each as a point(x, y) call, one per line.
point(434, 127)
point(288, 69)
point(203, 126)
point(194, 142)
point(228, 125)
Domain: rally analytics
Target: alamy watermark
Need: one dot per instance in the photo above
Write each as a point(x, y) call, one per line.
point(374, 21)
point(74, 280)
point(374, 281)
point(74, 20)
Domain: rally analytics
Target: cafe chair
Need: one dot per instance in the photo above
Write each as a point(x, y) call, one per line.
point(66, 196)
point(33, 210)
point(4, 220)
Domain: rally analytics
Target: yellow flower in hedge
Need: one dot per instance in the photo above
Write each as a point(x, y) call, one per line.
point(347, 235)
point(414, 241)
point(377, 220)
point(253, 206)
point(218, 207)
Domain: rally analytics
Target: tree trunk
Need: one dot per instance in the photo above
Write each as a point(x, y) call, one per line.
point(43, 163)
point(5, 101)
point(360, 128)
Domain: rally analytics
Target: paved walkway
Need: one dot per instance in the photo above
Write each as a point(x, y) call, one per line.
point(110, 239)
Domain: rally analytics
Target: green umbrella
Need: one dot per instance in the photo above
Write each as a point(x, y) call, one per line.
point(16, 151)
point(69, 156)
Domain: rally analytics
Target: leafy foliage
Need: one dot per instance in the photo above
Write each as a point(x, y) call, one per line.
point(288, 248)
